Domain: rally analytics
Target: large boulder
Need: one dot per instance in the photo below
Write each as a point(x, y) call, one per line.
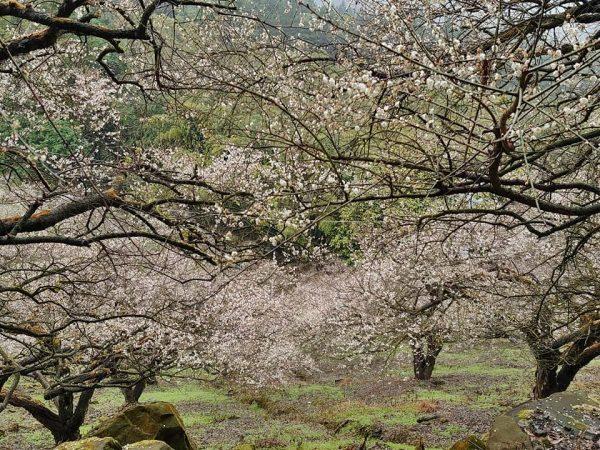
point(146, 421)
point(92, 443)
point(506, 434)
point(563, 421)
point(469, 443)
point(148, 445)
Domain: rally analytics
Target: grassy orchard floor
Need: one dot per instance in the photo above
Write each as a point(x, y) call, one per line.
point(468, 389)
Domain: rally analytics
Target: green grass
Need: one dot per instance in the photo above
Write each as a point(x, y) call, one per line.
point(393, 446)
point(477, 369)
point(453, 430)
point(314, 390)
point(85, 429)
point(438, 394)
point(331, 444)
point(197, 418)
point(325, 416)
point(360, 415)
point(289, 435)
point(108, 398)
point(186, 393)
point(41, 438)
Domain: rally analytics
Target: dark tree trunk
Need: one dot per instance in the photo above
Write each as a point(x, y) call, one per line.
point(549, 380)
point(72, 416)
point(547, 362)
point(425, 351)
point(556, 369)
point(423, 366)
point(545, 381)
point(132, 393)
point(566, 375)
point(65, 425)
point(65, 434)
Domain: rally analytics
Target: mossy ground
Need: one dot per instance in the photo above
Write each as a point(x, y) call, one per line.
point(469, 387)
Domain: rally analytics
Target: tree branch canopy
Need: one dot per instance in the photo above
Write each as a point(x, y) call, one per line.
point(47, 218)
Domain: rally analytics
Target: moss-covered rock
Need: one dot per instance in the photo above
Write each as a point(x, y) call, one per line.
point(469, 443)
point(507, 435)
point(148, 445)
point(571, 418)
point(92, 443)
point(146, 421)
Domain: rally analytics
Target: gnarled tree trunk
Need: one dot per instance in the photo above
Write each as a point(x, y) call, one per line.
point(545, 373)
point(425, 350)
point(132, 393)
point(559, 360)
point(63, 425)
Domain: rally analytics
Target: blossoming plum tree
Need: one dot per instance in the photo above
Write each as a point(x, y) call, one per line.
point(426, 288)
point(487, 111)
point(454, 114)
point(84, 321)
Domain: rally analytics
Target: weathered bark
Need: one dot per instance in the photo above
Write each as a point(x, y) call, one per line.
point(425, 351)
point(63, 425)
point(549, 380)
point(45, 219)
point(545, 380)
point(557, 368)
point(132, 393)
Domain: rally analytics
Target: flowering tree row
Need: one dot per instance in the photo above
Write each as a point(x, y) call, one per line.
point(152, 154)
point(427, 288)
